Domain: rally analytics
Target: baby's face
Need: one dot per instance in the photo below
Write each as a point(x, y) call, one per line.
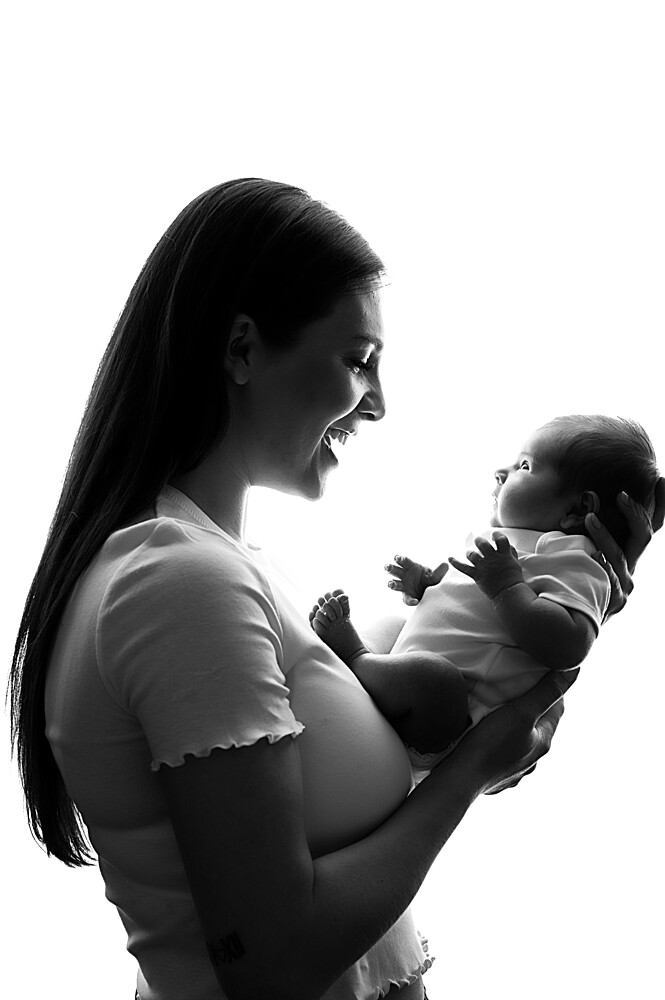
point(528, 494)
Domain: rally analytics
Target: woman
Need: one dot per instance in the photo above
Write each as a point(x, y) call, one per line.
point(248, 803)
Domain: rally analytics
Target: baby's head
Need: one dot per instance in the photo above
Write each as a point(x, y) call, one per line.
point(574, 465)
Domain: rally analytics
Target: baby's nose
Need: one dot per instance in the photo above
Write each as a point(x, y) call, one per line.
point(500, 476)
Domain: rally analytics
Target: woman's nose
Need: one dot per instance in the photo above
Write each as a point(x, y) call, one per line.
point(373, 404)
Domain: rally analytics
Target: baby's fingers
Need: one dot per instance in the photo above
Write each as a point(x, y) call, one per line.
point(502, 543)
point(437, 575)
point(462, 567)
point(399, 567)
point(484, 547)
point(399, 588)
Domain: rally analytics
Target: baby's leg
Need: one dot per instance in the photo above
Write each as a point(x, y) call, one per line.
point(330, 620)
point(422, 694)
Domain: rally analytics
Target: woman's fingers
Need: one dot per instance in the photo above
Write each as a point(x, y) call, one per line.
point(510, 782)
point(612, 552)
point(545, 697)
point(659, 512)
point(640, 527)
point(509, 742)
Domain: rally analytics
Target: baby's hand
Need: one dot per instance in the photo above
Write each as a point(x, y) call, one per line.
point(493, 569)
point(412, 579)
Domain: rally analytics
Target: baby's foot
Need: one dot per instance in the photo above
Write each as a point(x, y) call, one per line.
point(330, 620)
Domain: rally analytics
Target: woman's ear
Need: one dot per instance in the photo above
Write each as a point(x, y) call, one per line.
point(573, 520)
point(237, 357)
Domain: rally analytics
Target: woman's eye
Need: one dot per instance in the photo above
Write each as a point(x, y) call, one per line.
point(358, 365)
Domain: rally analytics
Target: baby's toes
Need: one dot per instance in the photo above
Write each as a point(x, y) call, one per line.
point(319, 627)
point(339, 606)
point(324, 617)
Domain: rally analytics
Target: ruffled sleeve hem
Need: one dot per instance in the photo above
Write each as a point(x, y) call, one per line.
point(405, 980)
point(175, 760)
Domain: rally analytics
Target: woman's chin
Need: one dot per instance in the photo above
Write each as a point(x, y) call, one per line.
point(310, 486)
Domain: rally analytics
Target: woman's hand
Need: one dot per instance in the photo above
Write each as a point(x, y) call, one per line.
point(507, 744)
point(617, 563)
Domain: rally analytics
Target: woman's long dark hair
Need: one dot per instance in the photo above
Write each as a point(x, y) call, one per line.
point(158, 404)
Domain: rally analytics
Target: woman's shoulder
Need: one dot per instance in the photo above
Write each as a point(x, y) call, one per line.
point(163, 560)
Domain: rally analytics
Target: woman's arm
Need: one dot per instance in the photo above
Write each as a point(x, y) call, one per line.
point(279, 923)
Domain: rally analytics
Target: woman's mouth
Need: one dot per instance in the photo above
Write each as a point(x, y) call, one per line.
point(334, 439)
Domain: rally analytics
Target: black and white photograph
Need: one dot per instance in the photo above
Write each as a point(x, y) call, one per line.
point(334, 471)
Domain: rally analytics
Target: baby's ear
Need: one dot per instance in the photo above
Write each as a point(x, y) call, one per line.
point(573, 520)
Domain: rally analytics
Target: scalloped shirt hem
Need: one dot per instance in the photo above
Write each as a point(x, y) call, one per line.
point(226, 745)
point(403, 981)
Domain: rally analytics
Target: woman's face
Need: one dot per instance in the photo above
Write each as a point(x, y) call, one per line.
point(304, 402)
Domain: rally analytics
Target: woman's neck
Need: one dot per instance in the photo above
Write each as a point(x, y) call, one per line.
point(219, 491)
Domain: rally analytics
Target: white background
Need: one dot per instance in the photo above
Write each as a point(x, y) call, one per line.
point(506, 159)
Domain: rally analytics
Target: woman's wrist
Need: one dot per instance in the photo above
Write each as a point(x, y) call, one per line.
point(462, 776)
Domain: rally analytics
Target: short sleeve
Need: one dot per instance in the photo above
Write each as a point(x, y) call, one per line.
point(189, 642)
point(563, 571)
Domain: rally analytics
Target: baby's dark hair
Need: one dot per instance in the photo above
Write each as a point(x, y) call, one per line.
point(607, 455)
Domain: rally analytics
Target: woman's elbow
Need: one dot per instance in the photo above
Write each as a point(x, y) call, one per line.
point(294, 975)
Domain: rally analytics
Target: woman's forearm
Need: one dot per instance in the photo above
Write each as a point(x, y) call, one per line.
point(360, 891)
point(280, 923)
point(291, 938)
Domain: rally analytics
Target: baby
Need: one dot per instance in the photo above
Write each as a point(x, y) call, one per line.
point(530, 599)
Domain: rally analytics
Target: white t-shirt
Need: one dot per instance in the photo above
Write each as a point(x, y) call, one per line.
point(454, 618)
point(176, 641)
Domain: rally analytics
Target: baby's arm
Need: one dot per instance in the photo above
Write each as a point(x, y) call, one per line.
point(557, 637)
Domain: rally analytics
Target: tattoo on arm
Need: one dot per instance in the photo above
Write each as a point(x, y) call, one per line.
point(225, 950)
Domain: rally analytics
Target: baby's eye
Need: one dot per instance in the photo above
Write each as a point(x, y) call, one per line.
point(524, 464)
